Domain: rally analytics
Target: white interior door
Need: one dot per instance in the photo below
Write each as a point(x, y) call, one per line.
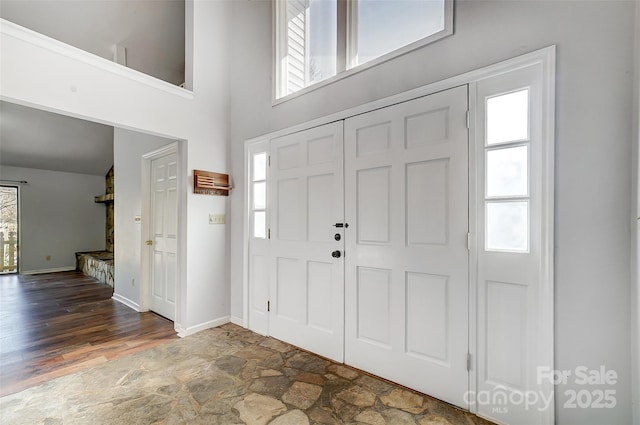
point(164, 232)
point(306, 283)
point(407, 258)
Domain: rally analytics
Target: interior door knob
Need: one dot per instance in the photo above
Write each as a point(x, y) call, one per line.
point(336, 254)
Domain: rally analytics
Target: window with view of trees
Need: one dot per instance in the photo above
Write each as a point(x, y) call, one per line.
point(317, 40)
point(8, 229)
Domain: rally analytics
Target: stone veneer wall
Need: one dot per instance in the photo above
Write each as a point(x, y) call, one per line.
point(98, 264)
point(110, 230)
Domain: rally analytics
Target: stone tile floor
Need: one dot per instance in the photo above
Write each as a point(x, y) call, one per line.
point(226, 375)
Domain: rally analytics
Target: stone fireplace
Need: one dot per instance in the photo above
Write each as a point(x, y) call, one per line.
point(110, 231)
point(99, 264)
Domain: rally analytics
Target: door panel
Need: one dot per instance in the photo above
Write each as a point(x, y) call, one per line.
point(374, 306)
point(406, 277)
point(164, 222)
point(426, 302)
point(307, 290)
point(320, 317)
point(427, 204)
point(373, 203)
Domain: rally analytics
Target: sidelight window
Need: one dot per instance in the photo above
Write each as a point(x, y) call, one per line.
point(507, 172)
point(259, 195)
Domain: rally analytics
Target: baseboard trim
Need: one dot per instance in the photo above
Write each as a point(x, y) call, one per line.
point(126, 301)
point(237, 321)
point(54, 270)
point(206, 325)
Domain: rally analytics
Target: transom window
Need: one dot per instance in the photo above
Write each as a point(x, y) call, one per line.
point(319, 41)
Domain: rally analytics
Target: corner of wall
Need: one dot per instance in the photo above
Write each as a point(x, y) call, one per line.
point(183, 332)
point(126, 301)
point(188, 45)
point(635, 230)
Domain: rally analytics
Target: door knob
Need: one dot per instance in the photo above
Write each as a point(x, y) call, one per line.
point(336, 254)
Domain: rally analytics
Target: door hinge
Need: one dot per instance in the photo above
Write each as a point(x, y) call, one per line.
point(268, 233)
point(468, 361)
point(468, 119)
point(269, 160)
point(268, 305)
point(468, 241)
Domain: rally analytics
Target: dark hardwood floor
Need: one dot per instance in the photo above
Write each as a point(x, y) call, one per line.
point(55, 324)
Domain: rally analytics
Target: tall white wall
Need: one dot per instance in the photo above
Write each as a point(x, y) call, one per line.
point(49, 75)
point(58, 217)
point(208, 128)
point(128, 148)
point(593, 151)
point(635, 219)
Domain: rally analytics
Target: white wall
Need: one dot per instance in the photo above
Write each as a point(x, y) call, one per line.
point(593, 151)
point(152, 32)
point(49, 75)
point(635, 234)
point(128, 148)
point(58, 217)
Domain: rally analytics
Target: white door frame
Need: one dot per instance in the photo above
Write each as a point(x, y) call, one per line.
point(546, 59)
point(145, 257)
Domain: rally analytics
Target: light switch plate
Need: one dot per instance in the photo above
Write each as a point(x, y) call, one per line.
point(217, 218)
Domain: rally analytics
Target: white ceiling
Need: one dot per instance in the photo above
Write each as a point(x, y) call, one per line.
point(32, 138)
point(153, 33)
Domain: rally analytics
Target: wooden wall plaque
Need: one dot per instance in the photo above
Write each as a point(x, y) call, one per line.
point(210, 183)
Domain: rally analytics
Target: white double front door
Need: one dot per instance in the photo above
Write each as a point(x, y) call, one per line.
point(368, 256)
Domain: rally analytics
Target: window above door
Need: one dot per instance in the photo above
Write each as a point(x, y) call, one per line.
point(321, 41)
